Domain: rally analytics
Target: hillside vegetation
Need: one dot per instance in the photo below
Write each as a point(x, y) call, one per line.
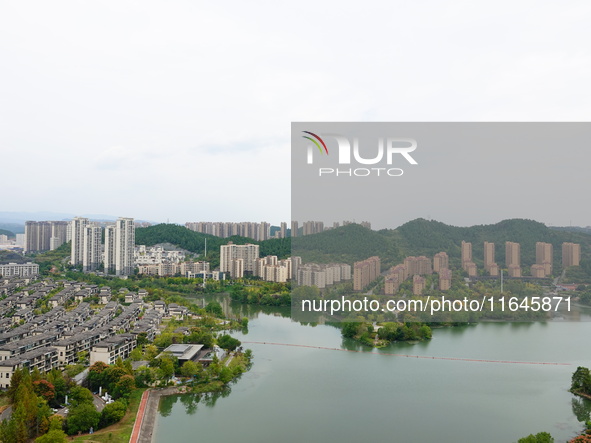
point(418, 237)
point(423, 237)
point(6, 232)
point(195, 241)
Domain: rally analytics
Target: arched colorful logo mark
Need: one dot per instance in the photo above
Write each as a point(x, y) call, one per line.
point(316, 142)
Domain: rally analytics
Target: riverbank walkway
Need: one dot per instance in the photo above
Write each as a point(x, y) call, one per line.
point(145, 419)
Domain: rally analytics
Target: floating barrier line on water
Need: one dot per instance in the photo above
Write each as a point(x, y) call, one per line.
point(411, 356)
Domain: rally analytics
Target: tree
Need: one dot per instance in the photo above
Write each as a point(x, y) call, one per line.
point(44, 389)
point(189, 369)
point(136, 354)
point(167, 367)
point(540, 437)
point(142, 339)
point(17, 377)
point(82, 417)
point(112, 375)
point(79, 395)
point(350, 329)
point(226, 375)
point(144, 376)
point(53, 436)
point(214, 308)
point(96, 377)
point(124, 386)
point(228, 342)
point(164, 340)
point(112, 413)
point(581, 380)
point(199, 336)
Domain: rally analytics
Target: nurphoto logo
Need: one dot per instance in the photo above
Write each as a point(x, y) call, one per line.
point(388, 148)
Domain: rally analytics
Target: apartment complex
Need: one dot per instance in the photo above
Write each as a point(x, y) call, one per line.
point(117, 253)
point(256, 231)
point(322, 275)
point(238, 259)
point(45, 235)
point(271, 269)
point(364, 272)
point(19, 270)
point(418, 265)
point(312, 227)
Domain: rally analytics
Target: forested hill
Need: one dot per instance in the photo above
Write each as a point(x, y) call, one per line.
point(353, 242)
point(424, 237)
point(9, 234)
point(195, 241)
point(347, 244)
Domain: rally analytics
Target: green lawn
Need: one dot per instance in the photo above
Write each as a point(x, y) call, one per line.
point(119, 432)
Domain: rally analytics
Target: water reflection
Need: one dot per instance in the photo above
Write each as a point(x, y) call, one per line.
point(191, 401)
point(581, 409)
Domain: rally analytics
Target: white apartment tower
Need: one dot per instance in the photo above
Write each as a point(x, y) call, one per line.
point(91, 247)
point(124, 243)
point(109, 259)
point(77, 228)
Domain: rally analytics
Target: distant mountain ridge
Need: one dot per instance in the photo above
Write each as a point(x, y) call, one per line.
point(424, 237)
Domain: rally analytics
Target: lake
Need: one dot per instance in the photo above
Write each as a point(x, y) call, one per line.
point(295, 394)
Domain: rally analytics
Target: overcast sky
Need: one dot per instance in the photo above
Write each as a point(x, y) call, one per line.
point(182, 110)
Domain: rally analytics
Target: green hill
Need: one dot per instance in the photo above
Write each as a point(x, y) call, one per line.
point(10, 234)
point(418, 237)
point(195, 241)
point(347, 244)
point(422, 237)
point(11, 257)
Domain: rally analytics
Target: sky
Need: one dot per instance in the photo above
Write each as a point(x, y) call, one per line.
point(182, 110)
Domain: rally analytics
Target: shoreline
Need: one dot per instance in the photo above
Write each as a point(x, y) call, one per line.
point(148, 410)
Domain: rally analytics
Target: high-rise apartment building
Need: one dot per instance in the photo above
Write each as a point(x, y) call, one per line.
point(571, 254)
point(418, 265)
point(544, 257)
point(364, 272)
point(313, 227)
point(45, 235)
point(249, 253)
point(466, 252)
point(294, 228)
point(538, 271)
point(418, 285)
point(119, 247)
point(444, 279)
point(512, 254)
point(109, 257)
point(91, 247)
point(440, 262)
point(59, 234)
point(77, 231)
point(124, 246)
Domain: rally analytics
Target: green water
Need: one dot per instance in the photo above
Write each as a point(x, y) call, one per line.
point(311, 395)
